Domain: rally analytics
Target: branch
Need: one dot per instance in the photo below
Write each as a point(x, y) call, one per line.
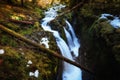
point(43, 49)
point(23, 22)
point(69, 10)
point(73, 8)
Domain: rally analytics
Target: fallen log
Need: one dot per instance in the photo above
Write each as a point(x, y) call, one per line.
point(23, 22)
point(43, 49)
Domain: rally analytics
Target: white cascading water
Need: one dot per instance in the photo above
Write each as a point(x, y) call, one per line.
point(115, 22)
point(70, 72)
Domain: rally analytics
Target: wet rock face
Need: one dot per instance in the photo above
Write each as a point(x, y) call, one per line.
point(99, 50)
point(58, 26)
point(100, 42)
point(110, 35)
point(106, 38)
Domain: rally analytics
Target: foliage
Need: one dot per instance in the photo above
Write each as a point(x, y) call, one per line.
point(86, 11)
point(27, 30)
point(39, 11)
point(18, 53)
point(102, 49)
point(15, 62)
point(8, 40)
point(14, 65)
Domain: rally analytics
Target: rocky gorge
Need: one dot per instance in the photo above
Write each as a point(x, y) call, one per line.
point(99, 40)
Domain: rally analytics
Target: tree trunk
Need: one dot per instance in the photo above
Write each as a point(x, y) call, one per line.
point(22, 3)
point(43, 49)
point(9, 1)
point(23, 22)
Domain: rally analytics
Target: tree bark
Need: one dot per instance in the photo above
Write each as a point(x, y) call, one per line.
point(22, 3)
point(23, 22)
point(43, 49)
point(9, 1)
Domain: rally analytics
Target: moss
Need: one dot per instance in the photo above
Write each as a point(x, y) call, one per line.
point(106, 28)
point(110, 35)
point(68, 16)
point(116, 50)
point(102, 28)
point(97, 41)
point(39, 11)
point(58, 26)
point(37, 26)
point(10, 25)
point(117, 30)
point(17, 53)
point(43, 63)
point(8, 40)
point(87, 11)
point(14, 64)
point(28, 30)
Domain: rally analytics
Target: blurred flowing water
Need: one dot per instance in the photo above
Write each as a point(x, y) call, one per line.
point(69, 49)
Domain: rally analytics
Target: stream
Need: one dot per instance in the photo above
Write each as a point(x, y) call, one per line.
point(69, 49)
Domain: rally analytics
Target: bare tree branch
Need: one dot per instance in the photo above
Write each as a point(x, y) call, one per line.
point(43, 49)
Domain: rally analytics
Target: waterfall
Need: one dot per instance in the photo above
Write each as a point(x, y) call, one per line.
point(70, 72)
point(115, 22)
point(73, 44)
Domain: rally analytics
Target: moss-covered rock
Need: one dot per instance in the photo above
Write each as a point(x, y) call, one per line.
point(59, 25)
point(108, 42)
point(8, 40)
point(98, 50)
point(14, 64)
